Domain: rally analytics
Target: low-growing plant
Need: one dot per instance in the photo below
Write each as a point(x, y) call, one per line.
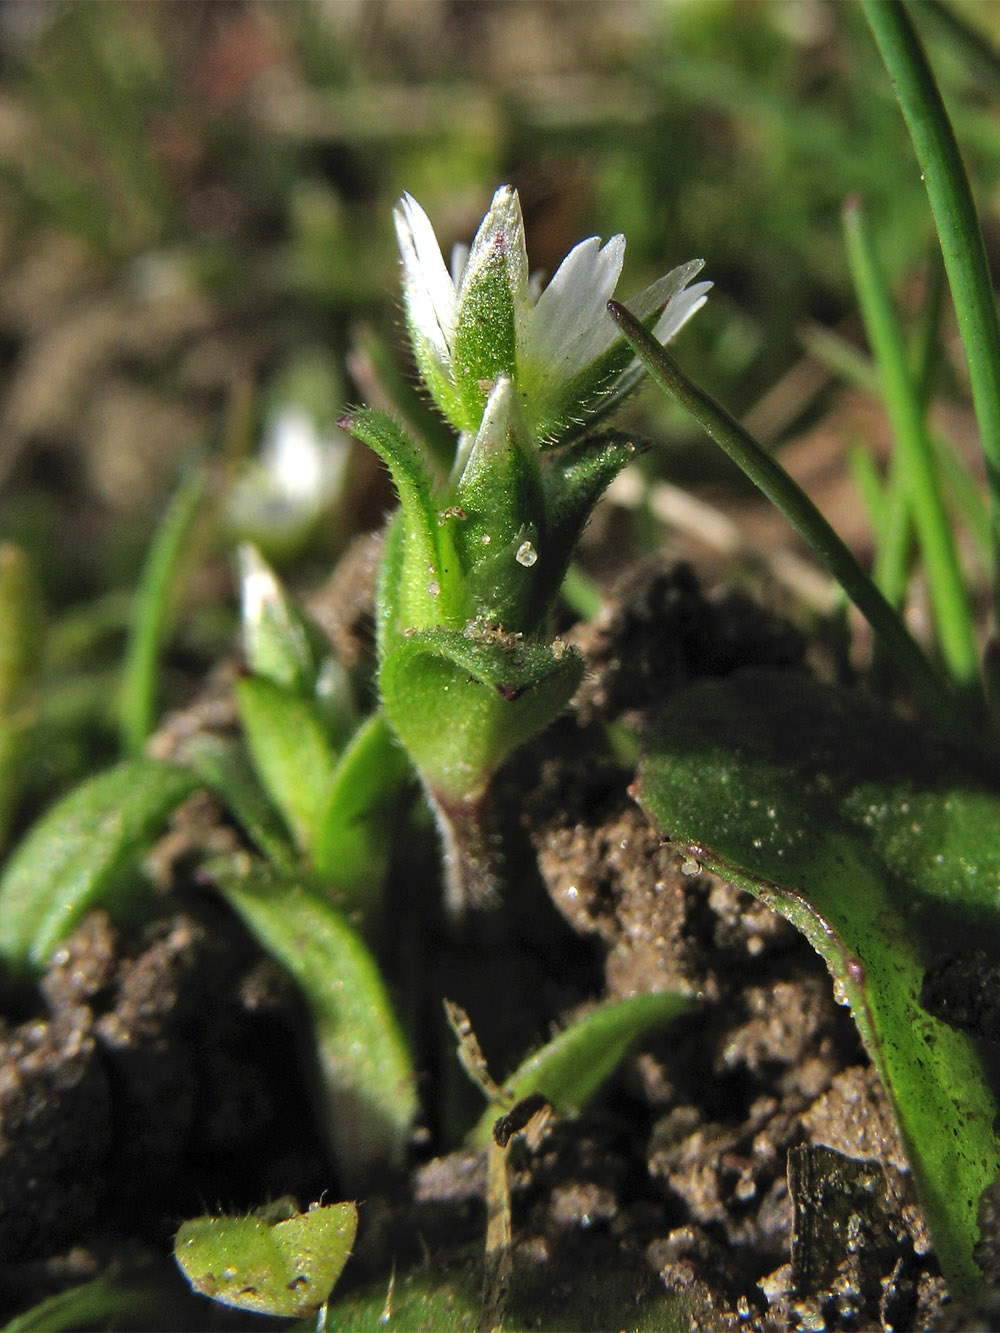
point(876, 837)
point(475, 558)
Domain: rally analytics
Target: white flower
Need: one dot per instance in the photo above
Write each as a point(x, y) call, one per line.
point(297, 475)
point(489, 318)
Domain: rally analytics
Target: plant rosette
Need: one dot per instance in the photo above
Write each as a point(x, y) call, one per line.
point(474, 562)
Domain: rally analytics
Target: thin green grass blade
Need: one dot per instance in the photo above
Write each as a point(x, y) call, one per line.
point(870, 486)
point(957, 226)
point(787, 496)
point(153, 607)
point(915, 469)
point(964, 491)
point(925, 346)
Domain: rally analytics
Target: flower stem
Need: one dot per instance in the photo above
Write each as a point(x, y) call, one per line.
point(787, 496)
point(958, 229)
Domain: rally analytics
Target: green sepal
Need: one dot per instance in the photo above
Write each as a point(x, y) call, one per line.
point(500, 504)
point(460, 702)
point(425, 585)
point(573, 479)
point(485, 344)
point(590, 394)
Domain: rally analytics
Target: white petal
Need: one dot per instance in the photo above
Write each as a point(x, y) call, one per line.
point(679, 310)
point(568, 328)
point(502, 229)
point(661, 292)
point(459, 259)
point(427, 286)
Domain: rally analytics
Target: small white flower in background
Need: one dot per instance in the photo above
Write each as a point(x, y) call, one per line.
point(296, 476)
point(488, 317)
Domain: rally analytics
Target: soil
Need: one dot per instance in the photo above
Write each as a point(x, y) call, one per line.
point(743, 1163)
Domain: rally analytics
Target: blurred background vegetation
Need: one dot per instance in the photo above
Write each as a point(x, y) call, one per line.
point(196, 228)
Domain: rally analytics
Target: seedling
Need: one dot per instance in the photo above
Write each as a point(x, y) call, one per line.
point(276, 1261)
point(887, 865)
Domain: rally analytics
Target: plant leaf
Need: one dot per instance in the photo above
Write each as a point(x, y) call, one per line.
point(354, 837)
point(77, 853)
point(161, 579)
point(426, 584)
point(291, 751)
point(277, 639)
point(367, 1086)
point(569, 1069)
point(447, 1294)
point(106, 1302)
point(20, 659)
point(498, 690)
point(875, 843)
point(223, 767)
point(286, 1267)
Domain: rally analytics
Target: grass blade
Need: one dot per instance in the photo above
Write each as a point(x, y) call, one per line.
point(957, 226)
point(787, 496)
point(153, 606)
point(916, 463)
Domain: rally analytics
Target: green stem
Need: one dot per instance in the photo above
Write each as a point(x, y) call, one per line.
point(787, 496)
point(958, 230)
point(916, 465)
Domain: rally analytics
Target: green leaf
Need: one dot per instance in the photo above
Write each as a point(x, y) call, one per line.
point(872, 840)
point(291, 751)
point(917, 466)
point(569, 1069)
point(106, 1302)
point(426, 587)
point(606, 1294)
point(223, 767)
point(367, 1086)
point(161, 577)
point(77, 854)
point(276, 638)
point(286, 1267)
point(355, 828)
point(461, 702)
point(23, 626)
point(961, 237)
point(21, 640)
point(574, 477)
point(786, 495)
